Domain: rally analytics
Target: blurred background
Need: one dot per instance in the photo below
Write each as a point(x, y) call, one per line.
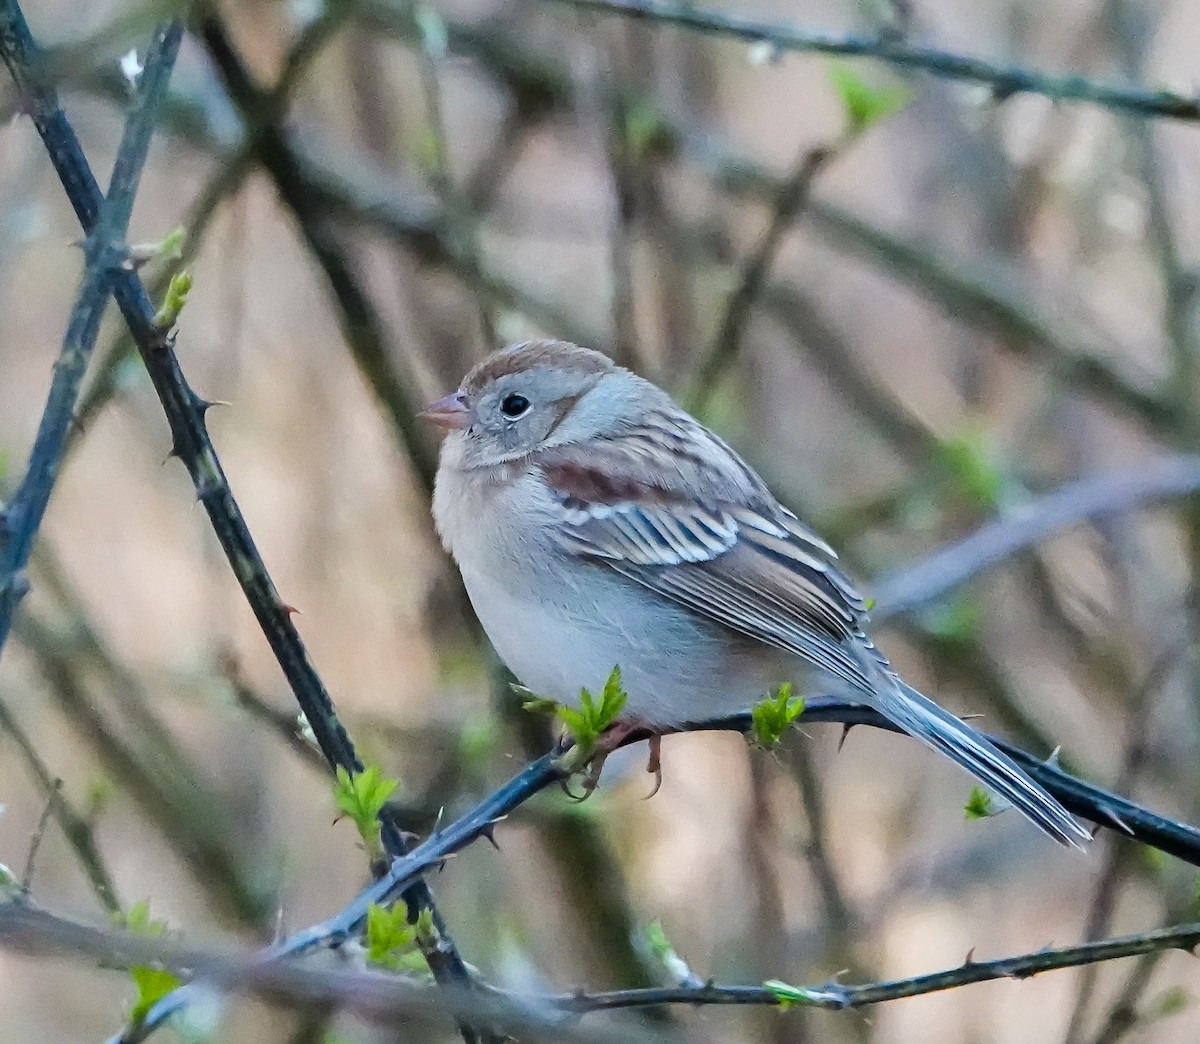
point(914, 313)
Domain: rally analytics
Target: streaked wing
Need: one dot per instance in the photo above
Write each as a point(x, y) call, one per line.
point(717, 543)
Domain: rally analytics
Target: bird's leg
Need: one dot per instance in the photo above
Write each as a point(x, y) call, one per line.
point(614, 737)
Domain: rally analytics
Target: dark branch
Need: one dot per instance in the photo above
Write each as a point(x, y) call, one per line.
point(105, 254)
point(1004, 80)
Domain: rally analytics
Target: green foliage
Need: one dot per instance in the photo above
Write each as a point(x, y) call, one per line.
point(139, 922)
point(773, 715)
point(9, 884)
point(979, 804)
point(534, 703)
point(786, 995)
point(152, 983)
point(956, 622)
point(646, 133)
point(391, 939)
point(176, 297)
point(594, 716)
point(865, 104)
point(362, 796)
point(971, 464)
point(1169, 1002)
point(664, 950)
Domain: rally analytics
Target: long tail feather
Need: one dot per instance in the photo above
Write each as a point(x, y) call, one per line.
point(926, 721)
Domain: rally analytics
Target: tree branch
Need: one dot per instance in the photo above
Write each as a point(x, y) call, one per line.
point(105, 254)
point(1004, 80)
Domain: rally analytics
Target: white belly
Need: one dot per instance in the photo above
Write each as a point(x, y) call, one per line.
point(560, 638)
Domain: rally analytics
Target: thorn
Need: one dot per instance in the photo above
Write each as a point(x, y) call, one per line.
point(1053, 761)
point(842, 739)
point(204, 405)
point(489, 835)
point(288, 610)
point(1116, 820)
point(970, 957)
point(172, 453)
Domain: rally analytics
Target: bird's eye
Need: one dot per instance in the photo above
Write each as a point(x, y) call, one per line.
point(514, 405)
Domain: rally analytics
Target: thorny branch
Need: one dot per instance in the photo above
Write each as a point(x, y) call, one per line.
point(1003, 80)
point(1083, 799)
point(105, 255)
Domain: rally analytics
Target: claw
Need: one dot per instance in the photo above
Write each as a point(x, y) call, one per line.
point(654, 765)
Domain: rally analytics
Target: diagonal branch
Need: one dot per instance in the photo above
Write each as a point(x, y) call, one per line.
point(1090, 498)
point(105, 254)
point(1004, 80)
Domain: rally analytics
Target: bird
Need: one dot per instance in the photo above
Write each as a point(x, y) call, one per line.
point(597, 524)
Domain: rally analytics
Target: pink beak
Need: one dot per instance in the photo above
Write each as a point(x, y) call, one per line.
point(451, 412)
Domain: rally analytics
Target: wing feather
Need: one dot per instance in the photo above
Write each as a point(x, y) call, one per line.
point(717, 543)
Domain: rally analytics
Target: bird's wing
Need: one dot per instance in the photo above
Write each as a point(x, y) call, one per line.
point(707, 534)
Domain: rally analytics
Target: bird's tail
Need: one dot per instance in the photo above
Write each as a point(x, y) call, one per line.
point(923, 719)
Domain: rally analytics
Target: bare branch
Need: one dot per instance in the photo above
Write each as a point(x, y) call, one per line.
point(1004, 81)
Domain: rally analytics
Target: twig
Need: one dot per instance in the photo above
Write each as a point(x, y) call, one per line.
point(834, 995)
point(890, 47)
point(76, 829)
point(35, 843)
point(790, 199)
point(104, 253)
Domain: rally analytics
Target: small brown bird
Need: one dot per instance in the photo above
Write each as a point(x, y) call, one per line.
point(597, 524)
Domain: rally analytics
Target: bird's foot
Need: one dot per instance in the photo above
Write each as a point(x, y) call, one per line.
point(589, 770)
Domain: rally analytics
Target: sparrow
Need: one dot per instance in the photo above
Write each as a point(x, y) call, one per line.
point(597, 524)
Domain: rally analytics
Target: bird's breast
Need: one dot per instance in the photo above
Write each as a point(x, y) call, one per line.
point(561, 623)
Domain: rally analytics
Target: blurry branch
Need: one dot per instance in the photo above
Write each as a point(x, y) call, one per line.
point(790, 197)
point(967, 293)
point(262, 112)
point(1131, 28)
point(390, 1000)
point(75, 827)
point(455, 208)
point(964, 291)
point(105, 254)
point(1003, 81)
point(1093, 803)
point(185, 412)
point(1089, 498)
point(382, 997)
point(173, 794)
